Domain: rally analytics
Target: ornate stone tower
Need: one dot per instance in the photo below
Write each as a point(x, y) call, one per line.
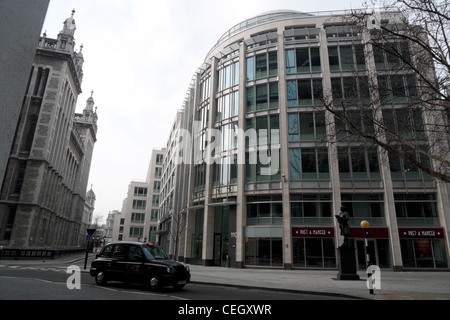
point(44, 190)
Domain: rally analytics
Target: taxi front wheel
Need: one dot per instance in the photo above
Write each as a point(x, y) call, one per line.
point(100, 278)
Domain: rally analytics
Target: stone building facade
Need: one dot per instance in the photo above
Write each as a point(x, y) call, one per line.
point(44, 190)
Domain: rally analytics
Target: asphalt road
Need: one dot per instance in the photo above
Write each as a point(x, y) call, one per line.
point(51, 283)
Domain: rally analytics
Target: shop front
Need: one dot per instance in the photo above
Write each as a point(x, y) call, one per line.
point(423, 248)
point(314, 247)
point(378, 247)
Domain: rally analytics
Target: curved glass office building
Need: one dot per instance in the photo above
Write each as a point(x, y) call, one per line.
point(266, 166)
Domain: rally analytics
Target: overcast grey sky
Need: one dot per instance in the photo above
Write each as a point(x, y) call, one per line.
point(140, 57)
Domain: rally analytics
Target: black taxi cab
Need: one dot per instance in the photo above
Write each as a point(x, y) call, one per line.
point(136, 262)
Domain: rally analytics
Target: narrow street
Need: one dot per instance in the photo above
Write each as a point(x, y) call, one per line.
point(49, 282)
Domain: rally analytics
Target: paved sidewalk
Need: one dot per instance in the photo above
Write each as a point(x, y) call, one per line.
point(394, 285)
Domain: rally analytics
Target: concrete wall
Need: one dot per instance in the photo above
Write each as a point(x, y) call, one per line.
point(20, 26)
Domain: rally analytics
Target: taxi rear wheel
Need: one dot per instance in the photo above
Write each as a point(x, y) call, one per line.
point(100, 278)
point(154, 283)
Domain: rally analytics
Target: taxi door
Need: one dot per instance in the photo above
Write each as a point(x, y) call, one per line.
point(135, 264)
point(118, 263)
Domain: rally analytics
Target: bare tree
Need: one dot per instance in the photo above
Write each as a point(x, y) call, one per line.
point(176, 230)
point(400, 100)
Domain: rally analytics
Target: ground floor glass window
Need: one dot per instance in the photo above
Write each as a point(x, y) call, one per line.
point(424, 253)
point(264, 252)
point(314, 253)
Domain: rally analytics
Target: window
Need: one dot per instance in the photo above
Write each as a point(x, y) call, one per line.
point(364, 206)
point(228, 76)
point(155, 201)
point(304, 92)
point(107, 252)
point(154, 215)
point(424, 253)
point(262, 66)
point(346, 58)
point(264, 252)
point(261, 97)
point(290, 61)
point(22, 167)
point(136, 232)
point(140, 192)
point(307, 126)
point(312, 252)
point(308, 163)
point(273, 64)
point(333, 58)
point(137, 217)
point(293, 127)
point(227, 106)
point(416, 209)
point(311, 209)
point(159, 159)
point(205, 88)
point(392, 55)
point(358, 163)
point(250, 69)
point(303, 60)
point(225, 171)
point(120, 250)
point(139, 204)
point(264, 210)
point(135, 253)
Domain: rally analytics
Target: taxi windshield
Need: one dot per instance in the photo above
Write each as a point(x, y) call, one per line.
point(154, 253)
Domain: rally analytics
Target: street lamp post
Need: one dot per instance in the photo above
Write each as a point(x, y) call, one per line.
point(365, 225)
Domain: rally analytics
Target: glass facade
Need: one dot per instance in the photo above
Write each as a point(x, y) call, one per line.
point(271, 85)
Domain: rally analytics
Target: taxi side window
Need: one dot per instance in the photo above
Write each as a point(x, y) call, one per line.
point(120, 251)
point(107, 252)
point(135, 254)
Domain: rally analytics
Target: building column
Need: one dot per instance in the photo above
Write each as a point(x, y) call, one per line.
point(284, 153)
point(190, 213)
point(383, 157)
point(331, 133)
point(208, 221)
point(241, 207)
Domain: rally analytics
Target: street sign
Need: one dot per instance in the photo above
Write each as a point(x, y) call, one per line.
point(88, 237)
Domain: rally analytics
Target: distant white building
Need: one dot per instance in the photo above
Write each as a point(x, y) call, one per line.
point(139, 216)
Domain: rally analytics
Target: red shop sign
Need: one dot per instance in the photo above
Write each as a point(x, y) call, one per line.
point(373, 233)
point(312, 232)
point(431, 233)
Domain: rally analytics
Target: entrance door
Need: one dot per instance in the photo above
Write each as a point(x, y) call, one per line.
point(220, 250)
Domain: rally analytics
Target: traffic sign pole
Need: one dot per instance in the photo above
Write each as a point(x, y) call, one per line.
point(88, 238)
